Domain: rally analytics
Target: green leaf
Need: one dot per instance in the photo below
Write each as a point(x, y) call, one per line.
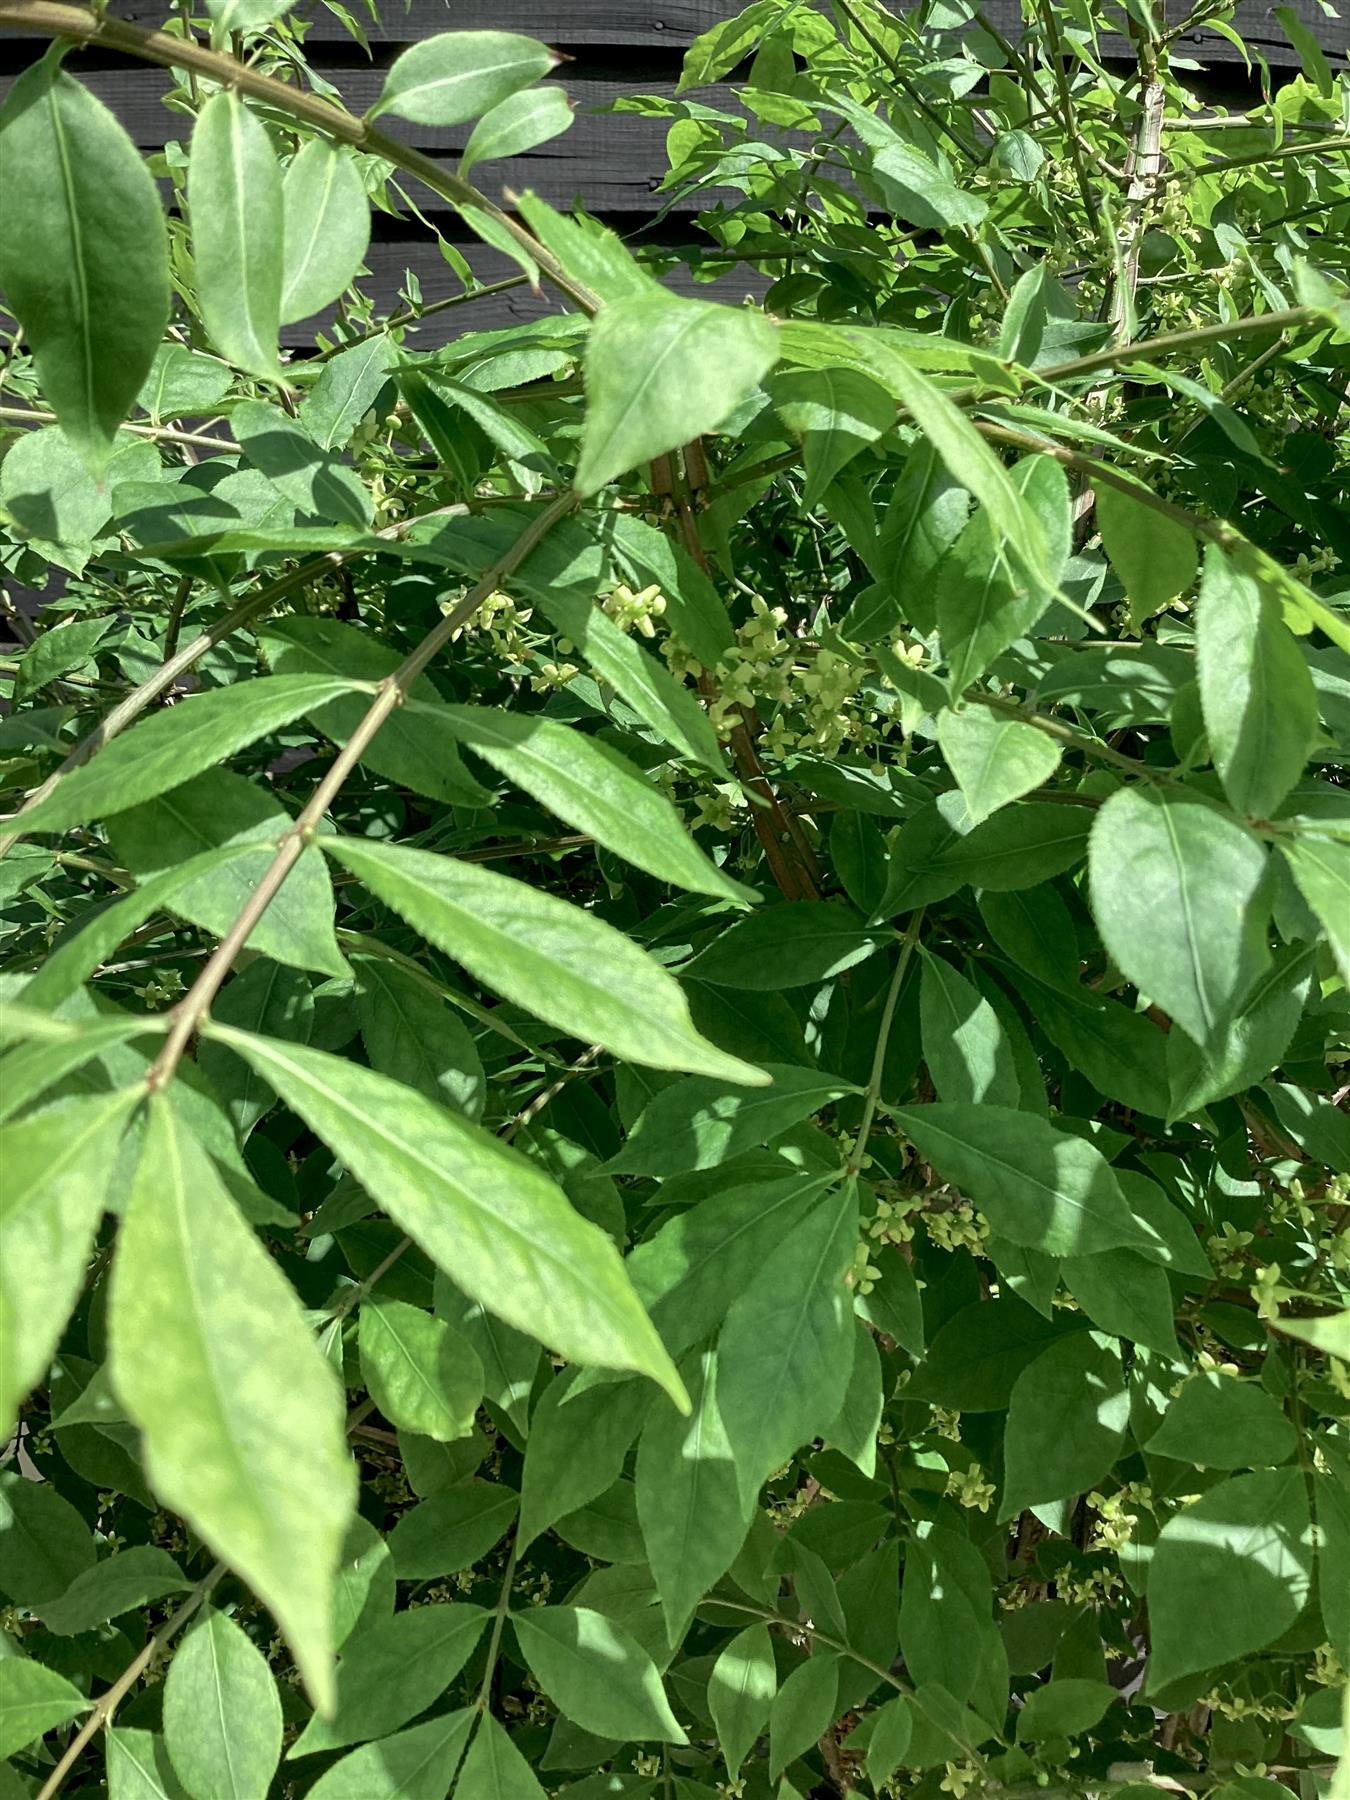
point(326, 228)
point(247, 17)
point(1331, 1497)
point(977, 1354)
point(788, 945)
point(84, 253)
point(994, 760)
point(786, 1349)
point(561, 964)
point(417, 1764)
point(494, 1769)
point(420, 1373)
point(891, 1732)
point(222, 1713)
point(519, 123)
point(854, 1431)
point(1258, 1036)
point(170, 747)
point(1064, 1708)
point(238, 233)
point(741, 1689)
point(1021, 846)
point(947, 1633)
point(412, 1035)
point(393, 1670)
point(689, 1506)
point(44, 1543)
point(460, 75)
point(1180, 895)
point(984, 601)
point(836, 413)
point(1046, 1189)
point(1066, 1421)
point(33, 1700)
point(1126, 1295)
point(313, 480)
point(138, 1766)
point(802, 1710)
point(364, 1587)
point(1229, 1573)
point(58, 652)
point(699, 1122)
point(595, 790)
point(452, 1530)
point(510, 1359)
point(966, 1048)
point(118, 1584)
point(918, 191)
point(1321, 869)
point(688, 1274)
point(972, 464)
point(1153, 554)
point(1120, 1051)
point(661, 370)
point(415, 748)
point(1260, 706)
point(595, 1673)
point(242, 1419)
point(348, 386)
point(494, 1222)
point(1217, 1422)
point(576, 1449)
point(217, 809)
point(926, 515)
point(57, 1166)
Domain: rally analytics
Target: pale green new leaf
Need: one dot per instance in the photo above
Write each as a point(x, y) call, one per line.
point(222, 1712)
point(596, 1673)
point(326, 228)
point(741, 1690)
point(57, 1165)
point(242, 1419)
point(238, 233)
point(1043, 1188)
point(994, 759)
point(495, 1223)
point(169, 747)
point(460, 75)
point(1260, 707)
point(84, 255)
point(661, 370)
point(595, 790)
point(689, 1504)
point(560, 963)
point(519, 123)
point(1180, 892)
point(422, 1375)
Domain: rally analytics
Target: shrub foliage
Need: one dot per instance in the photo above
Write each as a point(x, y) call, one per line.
point(676, 976)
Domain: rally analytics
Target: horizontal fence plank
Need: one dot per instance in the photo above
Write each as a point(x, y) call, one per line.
point(665, 22)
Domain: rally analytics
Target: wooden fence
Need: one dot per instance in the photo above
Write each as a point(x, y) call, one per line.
point(614, 164)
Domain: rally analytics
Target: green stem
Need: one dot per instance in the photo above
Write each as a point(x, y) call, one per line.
point(499, 1615)
point(1256, 156)
point(873, 1095)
